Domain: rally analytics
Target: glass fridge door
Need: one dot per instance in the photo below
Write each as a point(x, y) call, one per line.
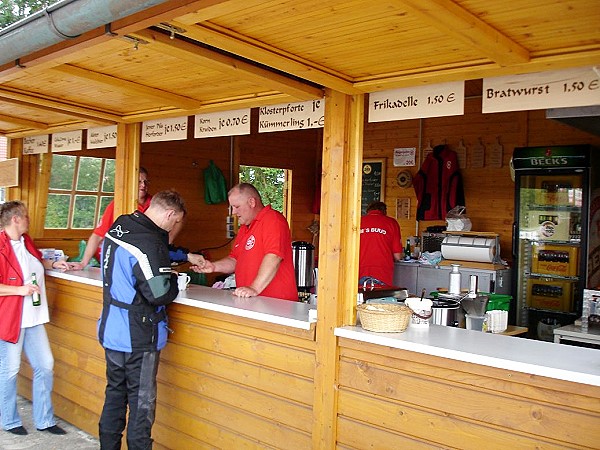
point(548, 238)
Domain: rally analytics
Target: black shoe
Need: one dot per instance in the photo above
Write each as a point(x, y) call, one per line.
point(18, 430)
point(54, 429)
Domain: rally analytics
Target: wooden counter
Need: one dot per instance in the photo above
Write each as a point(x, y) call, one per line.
point(240, 373)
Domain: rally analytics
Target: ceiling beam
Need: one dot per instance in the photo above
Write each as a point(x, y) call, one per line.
point(223, 63)
point(22, 121)
point(457, 22)
point(65, 109)
point(217, 9)
point(262, 53)
point(127, 86)
point(222, 104)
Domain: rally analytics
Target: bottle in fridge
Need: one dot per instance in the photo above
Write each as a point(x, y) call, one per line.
point(556, 243)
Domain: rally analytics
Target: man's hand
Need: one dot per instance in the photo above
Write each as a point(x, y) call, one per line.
point(245, 291)
point(201, 265)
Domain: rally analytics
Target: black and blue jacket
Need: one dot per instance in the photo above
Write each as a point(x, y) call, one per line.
point(137, 284)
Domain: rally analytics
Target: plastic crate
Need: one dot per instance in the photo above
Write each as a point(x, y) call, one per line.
point(497, 301)
point(550, 294)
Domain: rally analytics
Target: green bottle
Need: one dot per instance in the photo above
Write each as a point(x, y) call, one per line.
point(35, 297)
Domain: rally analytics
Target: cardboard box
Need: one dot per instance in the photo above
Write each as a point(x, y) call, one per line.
point(546, 293)
point(547, 225)
point(555, 260)
point(559, 191)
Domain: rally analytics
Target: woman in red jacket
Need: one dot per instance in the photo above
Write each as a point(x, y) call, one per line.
point(22, 320)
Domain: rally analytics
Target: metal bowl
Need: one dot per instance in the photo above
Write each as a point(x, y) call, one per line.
point(475, 306)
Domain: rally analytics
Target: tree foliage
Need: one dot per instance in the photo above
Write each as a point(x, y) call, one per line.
point(269, 182)
point(12, 11)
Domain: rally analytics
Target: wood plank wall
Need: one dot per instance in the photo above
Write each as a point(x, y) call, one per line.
point(489, 191)
point(180, 165)
point(223, 381)
point(390, 398)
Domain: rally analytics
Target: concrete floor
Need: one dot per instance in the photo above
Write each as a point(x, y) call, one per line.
point(75, 439)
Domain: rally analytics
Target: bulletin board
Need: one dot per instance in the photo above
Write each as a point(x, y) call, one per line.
point(373, 182)
point(9, 172)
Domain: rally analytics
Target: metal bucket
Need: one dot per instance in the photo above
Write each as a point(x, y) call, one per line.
point(303, 256)
point(446, 312)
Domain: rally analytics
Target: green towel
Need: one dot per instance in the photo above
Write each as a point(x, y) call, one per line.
point(215, 188)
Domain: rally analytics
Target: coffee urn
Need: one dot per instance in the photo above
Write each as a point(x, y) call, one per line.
point(303, 254)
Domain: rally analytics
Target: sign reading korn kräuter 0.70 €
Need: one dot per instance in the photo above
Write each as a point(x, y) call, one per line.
point(222, 123)
point(436, 100)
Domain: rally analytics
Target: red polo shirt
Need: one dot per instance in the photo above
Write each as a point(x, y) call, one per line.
point(380, 238)
point(268, 233)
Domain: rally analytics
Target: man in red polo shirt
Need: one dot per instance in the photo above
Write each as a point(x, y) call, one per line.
point(93, 245)
point(261, 256)
point(380, 244)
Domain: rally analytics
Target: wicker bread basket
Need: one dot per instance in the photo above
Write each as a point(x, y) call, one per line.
point(384, 317)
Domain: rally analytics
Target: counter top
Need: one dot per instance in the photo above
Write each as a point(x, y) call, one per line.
point(266, 309)
point(562, 362)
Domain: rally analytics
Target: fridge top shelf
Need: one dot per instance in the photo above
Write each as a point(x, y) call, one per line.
point(536, 276)
point(571, 243)
point(546, 207)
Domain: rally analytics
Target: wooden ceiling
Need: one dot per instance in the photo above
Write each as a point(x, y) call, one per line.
point(232, 54)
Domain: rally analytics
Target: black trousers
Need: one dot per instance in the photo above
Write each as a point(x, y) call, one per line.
point(130, 381)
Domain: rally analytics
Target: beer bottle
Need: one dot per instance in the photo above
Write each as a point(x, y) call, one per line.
point(35, 296)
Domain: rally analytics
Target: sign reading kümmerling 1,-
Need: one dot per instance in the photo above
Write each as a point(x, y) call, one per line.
point(557, 89)
point(435, 100)
point(222, 123)
point(292, 116)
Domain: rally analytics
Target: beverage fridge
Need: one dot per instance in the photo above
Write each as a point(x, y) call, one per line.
point(556, 235)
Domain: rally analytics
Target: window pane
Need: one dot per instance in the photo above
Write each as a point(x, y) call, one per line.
point(85, 211)
point(63, 171)
point(57, 213)
point(268, 181)
point(108, 182)
point(104, 201)
point(88, 178)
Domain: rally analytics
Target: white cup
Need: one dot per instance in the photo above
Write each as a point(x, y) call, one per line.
point(183, 279)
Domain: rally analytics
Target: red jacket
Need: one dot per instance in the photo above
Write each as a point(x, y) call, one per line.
point(11, 306)
point(438, 184)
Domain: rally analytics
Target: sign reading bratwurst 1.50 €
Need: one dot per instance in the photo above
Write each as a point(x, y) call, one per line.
point(436, 100)
point(223, 123)
point(556, 89)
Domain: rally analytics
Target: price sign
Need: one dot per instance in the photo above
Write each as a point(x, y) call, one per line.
point(292, 116)
point(102, 137)
point(35, 144)
point(224, 123)
point(436, 100)
point(159, 130)
point(557, 89)
point(67, 141)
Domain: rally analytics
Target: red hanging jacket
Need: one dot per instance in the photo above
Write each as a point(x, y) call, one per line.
point(438, 184)
point(11, 306)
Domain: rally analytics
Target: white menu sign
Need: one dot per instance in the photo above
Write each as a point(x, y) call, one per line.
point(292, 116)
point(174, 129)
point(102, 137)
point(67, 141)
point(405, 157)
point(35, 144)
point(224, 123)
point(557, 89)
point(435, 100)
